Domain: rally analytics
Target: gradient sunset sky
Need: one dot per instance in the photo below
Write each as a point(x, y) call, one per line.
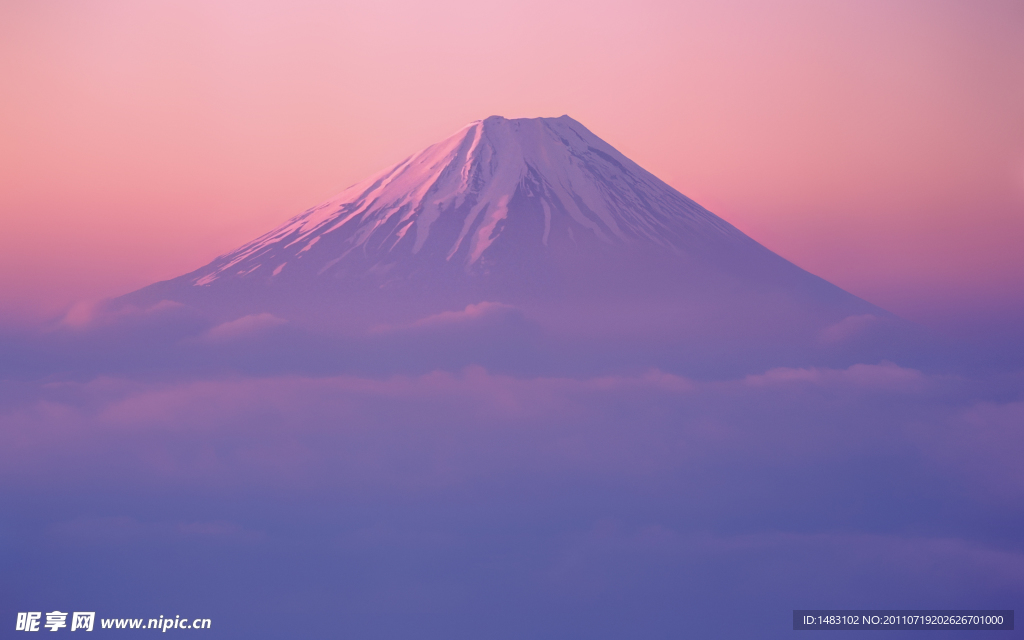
point(877, 144)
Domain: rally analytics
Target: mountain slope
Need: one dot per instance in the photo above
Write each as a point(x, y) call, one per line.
point(538, 183)
point(536, 224)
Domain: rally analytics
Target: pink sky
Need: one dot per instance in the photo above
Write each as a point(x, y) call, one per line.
point(877, 144)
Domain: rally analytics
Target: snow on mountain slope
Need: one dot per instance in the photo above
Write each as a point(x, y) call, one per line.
point(454, 201)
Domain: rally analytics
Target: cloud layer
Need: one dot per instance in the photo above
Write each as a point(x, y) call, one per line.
point(469, 503)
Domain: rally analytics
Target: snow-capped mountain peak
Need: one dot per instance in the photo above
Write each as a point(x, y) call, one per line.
point(537, 179)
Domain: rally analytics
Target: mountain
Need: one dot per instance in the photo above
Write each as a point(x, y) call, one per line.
point(538, 219)
point(492, 194)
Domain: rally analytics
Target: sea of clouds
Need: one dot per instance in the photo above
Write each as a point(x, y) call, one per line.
point(466, 501)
